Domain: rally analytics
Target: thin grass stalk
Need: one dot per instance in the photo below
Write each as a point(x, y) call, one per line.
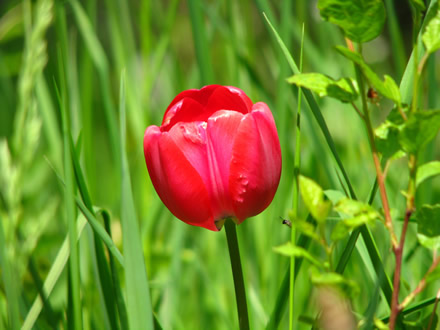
point(201, 42)
point(296, 169)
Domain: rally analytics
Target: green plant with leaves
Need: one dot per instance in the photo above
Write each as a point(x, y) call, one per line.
point(405, 133)
point(352, 236)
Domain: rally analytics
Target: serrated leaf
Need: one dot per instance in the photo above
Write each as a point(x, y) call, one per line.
point(290, 250)
point(342, 89)
point(361, 20)
point(431, 36)
point(427, 170)
point(387, 88)
point(420, 128)
point(313, 197)
point(428, 220)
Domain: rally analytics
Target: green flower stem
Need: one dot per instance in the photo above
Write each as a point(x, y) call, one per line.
point(237, 272)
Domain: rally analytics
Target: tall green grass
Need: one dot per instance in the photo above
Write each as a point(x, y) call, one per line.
point(85, 241)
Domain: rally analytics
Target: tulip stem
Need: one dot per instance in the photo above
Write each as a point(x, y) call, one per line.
point(237, 272)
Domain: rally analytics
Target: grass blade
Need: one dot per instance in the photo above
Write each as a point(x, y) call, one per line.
point(101, 266)
point(315, 110)
point(283, 292)
point(138, 292)
point(9, 283)
point(52, 277)
point(74, 275)
point(200, 42)
point(120, 303)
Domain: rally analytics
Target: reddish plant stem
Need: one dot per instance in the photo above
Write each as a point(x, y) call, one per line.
point(420, 286)
point(384, 198)
point(398, 250)
point(431, 319)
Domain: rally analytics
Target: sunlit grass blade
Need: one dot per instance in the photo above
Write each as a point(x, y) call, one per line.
point(283, 292)
point(102, 268)
point(122, 310)
point(295, 202)
point(100, 60)
point(315, 110)
point(136, 281)
point(9, 283)
point(52, 277)
point(74, 275)
point(201, 42)
point(94, 223)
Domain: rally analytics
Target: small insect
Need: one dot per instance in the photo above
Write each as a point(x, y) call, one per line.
point(373, 95)
point(287, 222)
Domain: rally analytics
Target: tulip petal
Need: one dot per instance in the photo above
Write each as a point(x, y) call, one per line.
point(186, 110)
point(228, 98)
point(221, 131)
point(177, 183)
point(256, 163)
point(190, 138)
point(200, 95)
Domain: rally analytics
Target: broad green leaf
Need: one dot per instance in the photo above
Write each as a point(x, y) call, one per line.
point(313, 196)
point(387, 88)
point(428, 220)
point(342, 89)
point(427, 170)
point(420, 128)
point(387, 139)
point(431, 36)
point(361, 20)
point(358, 214)
point(289, 250)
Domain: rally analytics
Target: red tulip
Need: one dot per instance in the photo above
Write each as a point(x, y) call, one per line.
point(216, 155)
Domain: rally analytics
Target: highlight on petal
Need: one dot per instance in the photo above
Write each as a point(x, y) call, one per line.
point(228, 98)
point(242, 95)
point(256, 164)
point(221, 131)
point(177, 183)
point(199, 95)
point(186, 110)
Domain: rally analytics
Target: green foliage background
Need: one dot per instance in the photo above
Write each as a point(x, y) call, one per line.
point(69, 56)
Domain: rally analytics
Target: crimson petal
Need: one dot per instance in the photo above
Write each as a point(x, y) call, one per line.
point(256, 163)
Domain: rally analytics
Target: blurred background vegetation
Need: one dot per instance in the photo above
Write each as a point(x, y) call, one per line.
point(75, 51)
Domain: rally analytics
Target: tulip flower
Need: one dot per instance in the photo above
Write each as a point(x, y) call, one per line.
point(215, 156)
